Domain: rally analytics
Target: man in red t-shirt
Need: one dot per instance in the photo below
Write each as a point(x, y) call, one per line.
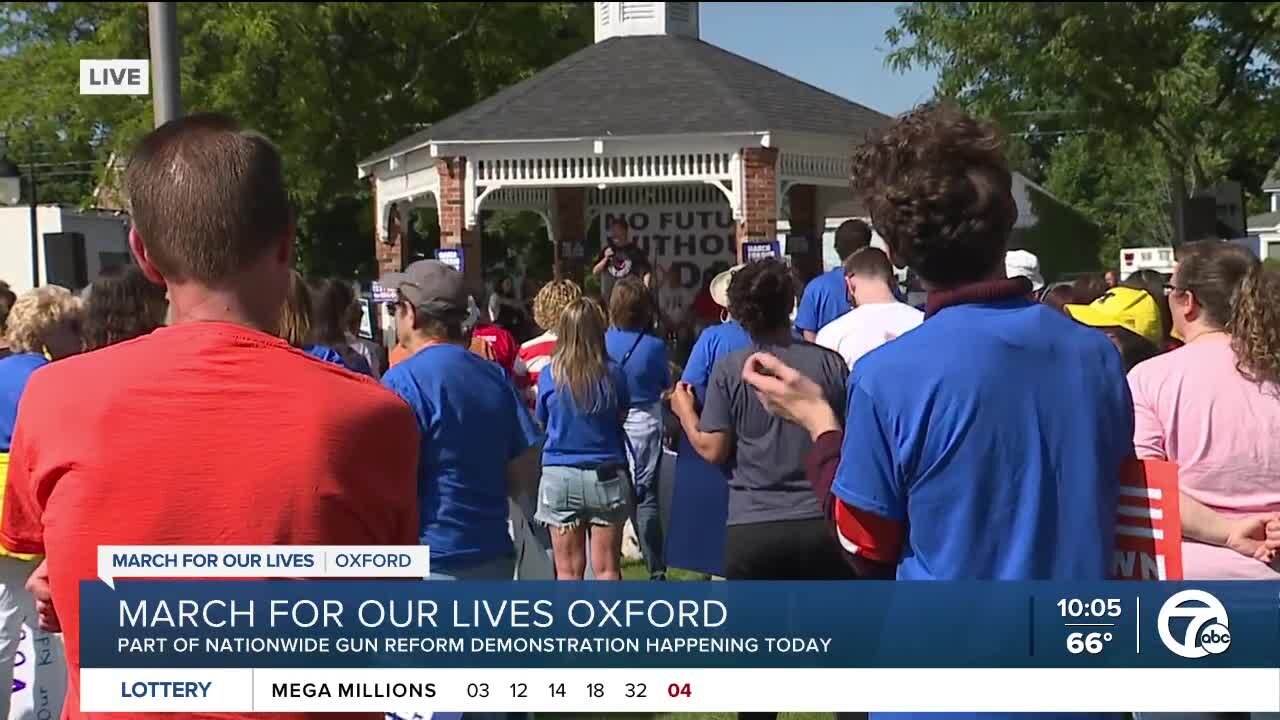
point(211, 430)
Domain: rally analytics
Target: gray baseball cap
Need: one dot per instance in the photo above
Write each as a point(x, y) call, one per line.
point(432, 287)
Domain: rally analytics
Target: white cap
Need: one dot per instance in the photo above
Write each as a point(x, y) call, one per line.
point(1021, 263)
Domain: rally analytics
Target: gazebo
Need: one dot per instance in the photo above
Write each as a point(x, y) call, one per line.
point(649, 116)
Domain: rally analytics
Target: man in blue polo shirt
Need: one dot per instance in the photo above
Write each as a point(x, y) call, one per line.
point(477, 436)
point(987, 443)
point(826, 297)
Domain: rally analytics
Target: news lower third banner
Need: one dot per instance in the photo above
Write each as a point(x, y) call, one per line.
point(377, 645)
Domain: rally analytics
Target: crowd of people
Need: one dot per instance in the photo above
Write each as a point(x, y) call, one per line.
point(210, 394)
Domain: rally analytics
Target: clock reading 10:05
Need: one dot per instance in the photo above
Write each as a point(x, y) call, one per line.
point(1095, 608)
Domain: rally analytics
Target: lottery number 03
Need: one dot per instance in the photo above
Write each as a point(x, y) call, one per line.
point(478, 690)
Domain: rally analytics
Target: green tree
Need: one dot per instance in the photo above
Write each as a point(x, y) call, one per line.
point(1197, 81)
point(1117, 186)
point(330, 83)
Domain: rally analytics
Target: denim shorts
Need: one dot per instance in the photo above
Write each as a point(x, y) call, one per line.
point(570, 496)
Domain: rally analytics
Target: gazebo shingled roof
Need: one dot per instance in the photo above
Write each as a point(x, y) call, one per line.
point(687, 86)
point(648, 104)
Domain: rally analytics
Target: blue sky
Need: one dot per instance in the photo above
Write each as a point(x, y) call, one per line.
point(840, 47)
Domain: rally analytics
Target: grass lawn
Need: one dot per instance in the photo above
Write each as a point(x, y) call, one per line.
point(635, 570)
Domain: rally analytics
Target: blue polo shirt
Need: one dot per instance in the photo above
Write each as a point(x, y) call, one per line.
point(15, 371)
point(995, 433)
point(646, 369)
point(582, 438)
point(825, 298)
point(472, 426)
point(714, 343)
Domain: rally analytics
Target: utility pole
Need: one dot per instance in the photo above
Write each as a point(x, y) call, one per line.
point(162, 28)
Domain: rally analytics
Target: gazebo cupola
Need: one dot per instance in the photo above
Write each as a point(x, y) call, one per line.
point(649, 105)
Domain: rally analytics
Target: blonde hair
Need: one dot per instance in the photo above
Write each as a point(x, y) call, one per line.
point(579, 361)
point(295, 315)
point(39, 312)
point(551, 301)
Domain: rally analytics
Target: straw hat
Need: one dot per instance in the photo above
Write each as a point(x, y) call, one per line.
point(720, 286)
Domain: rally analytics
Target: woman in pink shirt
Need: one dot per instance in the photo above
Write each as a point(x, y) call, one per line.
point(1213, 407)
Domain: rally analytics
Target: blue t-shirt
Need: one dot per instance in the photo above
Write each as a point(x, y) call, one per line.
point(577, 438)
point(825, 299)
point(352, 361)
point(15, 371)
point(472, 426)
point(995, 432)
point(324, 352)
point(646, 370)
point(714, 343)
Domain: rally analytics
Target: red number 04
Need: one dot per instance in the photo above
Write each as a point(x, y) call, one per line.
point(678, 690)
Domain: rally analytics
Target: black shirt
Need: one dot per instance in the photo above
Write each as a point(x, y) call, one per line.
point(627, 261)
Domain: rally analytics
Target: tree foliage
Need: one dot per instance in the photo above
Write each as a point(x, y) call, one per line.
point(1193, 86)
point(329, 82)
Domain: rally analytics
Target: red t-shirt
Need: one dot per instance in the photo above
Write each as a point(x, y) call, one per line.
point(502, 343)
point(202, 433)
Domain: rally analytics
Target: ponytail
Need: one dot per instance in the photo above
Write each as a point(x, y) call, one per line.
point(1255, 327)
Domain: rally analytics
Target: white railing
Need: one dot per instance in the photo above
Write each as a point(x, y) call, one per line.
point(592, 169)
point(519, 198)
point(794, 166)
point(656, 195)
point(424, 182)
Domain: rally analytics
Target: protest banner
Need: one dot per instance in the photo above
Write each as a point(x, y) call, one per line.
point(39, 670)
point(1148, 523)
point(686, 244)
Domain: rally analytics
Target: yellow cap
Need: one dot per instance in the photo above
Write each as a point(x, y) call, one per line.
point(1132, 309)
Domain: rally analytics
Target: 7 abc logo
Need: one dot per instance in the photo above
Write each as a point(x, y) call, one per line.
point(1206, 633)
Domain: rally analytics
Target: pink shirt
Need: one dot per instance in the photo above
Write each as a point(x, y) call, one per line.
point(1192, 406)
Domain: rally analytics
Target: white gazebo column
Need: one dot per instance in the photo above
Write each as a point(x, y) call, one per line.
point(759, 220)
point(453, 221)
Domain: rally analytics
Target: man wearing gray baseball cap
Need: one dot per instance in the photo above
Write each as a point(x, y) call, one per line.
point(477, 436)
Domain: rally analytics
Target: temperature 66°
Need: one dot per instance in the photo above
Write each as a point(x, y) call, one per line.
point(1091, 643)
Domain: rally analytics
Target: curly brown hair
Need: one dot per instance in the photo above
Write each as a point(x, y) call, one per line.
point(761, 296)
point(551, 301)
point(1236, 293)
point(939, 191)
point(1255, 327)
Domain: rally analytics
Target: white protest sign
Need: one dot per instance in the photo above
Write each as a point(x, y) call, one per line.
point(685, 243)
point(268, 561)
point(39, 670)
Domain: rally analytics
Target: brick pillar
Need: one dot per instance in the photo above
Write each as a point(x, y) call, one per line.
point(453, 221)
point(760, 195)
point(805, 221)
point(390, 256)
point(568, 212)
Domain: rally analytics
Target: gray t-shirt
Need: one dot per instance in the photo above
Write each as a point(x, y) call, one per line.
point(767, 480)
